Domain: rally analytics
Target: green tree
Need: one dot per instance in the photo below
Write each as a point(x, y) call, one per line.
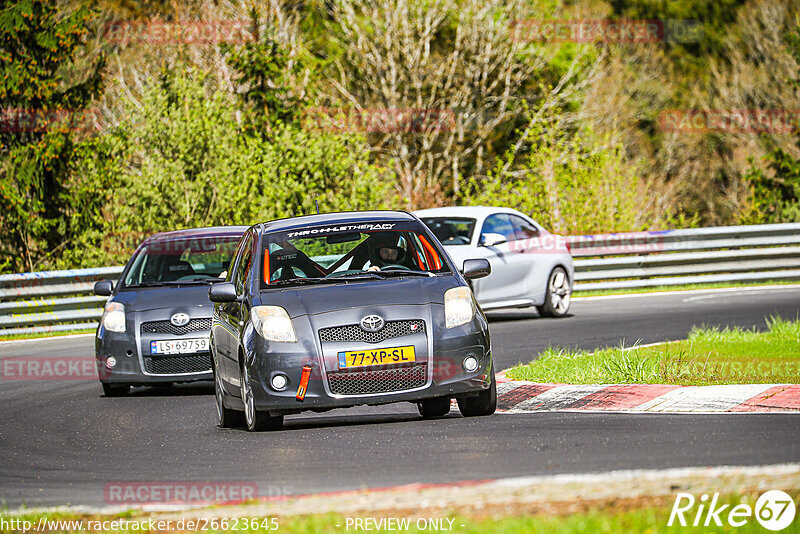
point(775, 191)
point(39, 141)
point(262, 68)
point(182, 159)
point(776, 198)
point(572, 183)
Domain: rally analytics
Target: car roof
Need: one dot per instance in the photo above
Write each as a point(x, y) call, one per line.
point(339, 217)
point(196, 233)
point(475, 212)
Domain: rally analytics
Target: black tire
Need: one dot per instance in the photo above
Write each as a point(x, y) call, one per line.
point(557, 295)
point(226, 417)
point(116, 390)
point(484, 404)
point(438, 407)
point(256, 420)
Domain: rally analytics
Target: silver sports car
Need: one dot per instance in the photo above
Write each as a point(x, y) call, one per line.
point(530, 266)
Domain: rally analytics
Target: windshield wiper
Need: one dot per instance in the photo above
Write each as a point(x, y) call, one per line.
point(204, 281)
point(298, 282)
point(361, 275)
point(148, 284)
point(403, 272)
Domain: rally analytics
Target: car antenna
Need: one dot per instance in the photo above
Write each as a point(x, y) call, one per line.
point(317, 203)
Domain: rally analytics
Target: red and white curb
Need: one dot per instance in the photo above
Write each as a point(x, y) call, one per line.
point(514, 396)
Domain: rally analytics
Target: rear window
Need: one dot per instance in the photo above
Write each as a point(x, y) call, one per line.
point(349, 249)
point(451, 230)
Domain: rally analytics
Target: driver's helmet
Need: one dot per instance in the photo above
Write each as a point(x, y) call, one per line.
point(385, 251)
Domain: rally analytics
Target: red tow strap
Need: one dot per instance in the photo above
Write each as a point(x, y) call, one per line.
point(301, 389)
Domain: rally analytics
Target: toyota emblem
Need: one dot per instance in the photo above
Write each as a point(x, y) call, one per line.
point(179, 319)
point(372, 323)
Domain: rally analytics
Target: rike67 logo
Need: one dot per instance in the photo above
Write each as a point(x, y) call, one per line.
point(774, 510)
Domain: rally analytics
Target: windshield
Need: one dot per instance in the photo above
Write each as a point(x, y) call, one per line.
point(169, 261)
point(368, 251)
point(451, 230)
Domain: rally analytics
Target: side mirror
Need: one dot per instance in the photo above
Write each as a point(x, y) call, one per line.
point(476, 269)
point(490, 239)
point(222, 292)
point(104, 288)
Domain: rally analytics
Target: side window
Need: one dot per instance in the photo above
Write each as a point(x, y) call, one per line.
point(229, 275)
point(243, 267)
point(499, 223)
point(523, 229)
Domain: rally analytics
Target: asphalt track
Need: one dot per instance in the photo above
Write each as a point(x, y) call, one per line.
point(61, 442)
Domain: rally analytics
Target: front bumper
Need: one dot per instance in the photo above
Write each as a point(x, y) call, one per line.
point(443, 351)
point(131, 367)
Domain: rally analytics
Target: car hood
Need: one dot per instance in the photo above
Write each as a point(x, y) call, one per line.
point(310, 300)
point(145, 299)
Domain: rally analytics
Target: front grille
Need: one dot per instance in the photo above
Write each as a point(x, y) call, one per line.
point(166, 327)
point(354, 332)
point(378, 380)
point(176, 365)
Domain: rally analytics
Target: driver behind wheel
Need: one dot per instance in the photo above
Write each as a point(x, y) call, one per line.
point(386, 254)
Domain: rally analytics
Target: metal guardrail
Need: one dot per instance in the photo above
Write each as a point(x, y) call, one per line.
point(691, 256)
point(25, 306)
point(607, 261)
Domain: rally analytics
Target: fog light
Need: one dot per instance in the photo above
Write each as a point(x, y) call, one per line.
point(111, 362)
point(279, 382)
point(470, 363)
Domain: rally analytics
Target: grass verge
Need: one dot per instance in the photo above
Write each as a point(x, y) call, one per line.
point(37, 335)
point(687, 287)
point(709, 356)
point(619, 515)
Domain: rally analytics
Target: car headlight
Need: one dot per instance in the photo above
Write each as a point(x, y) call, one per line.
point(273, 323)
point(114, 317)
point(459, 306)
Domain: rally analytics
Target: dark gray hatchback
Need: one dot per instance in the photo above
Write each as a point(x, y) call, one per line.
point(156, 325)
point(341, 309)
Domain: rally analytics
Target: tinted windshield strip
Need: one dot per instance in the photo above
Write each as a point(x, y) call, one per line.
point(350, 249)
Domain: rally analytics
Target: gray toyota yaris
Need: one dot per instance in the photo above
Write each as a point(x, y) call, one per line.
point(156, 324)
point(342, 309)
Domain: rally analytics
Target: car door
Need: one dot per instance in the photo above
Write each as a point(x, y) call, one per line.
point(220, 325)
point(526, 245)
point(226, 336)
point(495, 243)
point(237, 310)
